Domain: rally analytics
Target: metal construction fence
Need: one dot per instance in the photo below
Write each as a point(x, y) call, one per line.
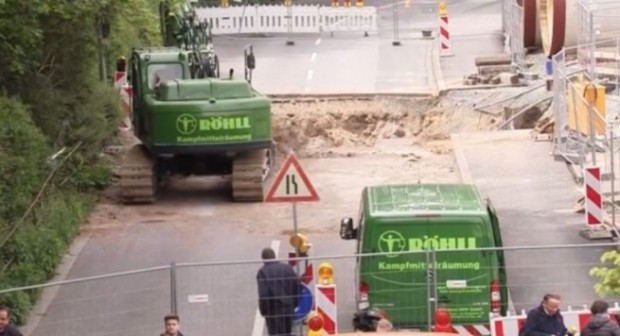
point(512, 26)
point(599, 28)
point(586, 113)
point(404, 19)
point(283, 19)
point(220, 298)
point(517, 51)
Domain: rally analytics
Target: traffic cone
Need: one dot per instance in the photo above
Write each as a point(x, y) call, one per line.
point(443, 321)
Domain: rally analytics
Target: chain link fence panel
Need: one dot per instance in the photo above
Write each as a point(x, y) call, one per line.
point(407, 278)
point(125, 303)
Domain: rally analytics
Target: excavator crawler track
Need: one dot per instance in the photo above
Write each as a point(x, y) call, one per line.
point(138, 181)
point(249, 175)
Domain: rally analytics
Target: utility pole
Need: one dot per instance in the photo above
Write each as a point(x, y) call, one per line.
point(396, 41)
point(289, 16)
point(103, 31)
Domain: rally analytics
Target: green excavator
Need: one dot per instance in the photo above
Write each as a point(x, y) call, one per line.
point(191, 122)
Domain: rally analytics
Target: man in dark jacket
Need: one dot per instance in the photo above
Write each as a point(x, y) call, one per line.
point(279, 290)
point(546, 319)
point(600, 323)
point(6, 329)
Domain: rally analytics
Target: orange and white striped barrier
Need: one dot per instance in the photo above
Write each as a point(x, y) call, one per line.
point(594, 198)
point(444, 31)
point(326, 307)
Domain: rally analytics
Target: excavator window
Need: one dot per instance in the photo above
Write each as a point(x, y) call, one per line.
point(158, 73)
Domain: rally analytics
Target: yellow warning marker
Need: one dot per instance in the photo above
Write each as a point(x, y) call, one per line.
point(443, 9)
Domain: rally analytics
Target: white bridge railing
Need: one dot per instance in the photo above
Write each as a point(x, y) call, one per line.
point(274, 19)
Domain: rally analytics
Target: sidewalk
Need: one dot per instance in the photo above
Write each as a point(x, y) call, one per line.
point(534, 196)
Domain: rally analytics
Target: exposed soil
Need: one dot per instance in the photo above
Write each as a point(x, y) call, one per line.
point(317, 128)
point(343, 145)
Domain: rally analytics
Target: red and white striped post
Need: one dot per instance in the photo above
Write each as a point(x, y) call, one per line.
point(593, 196)
point(120, 83)
point(126, 97)
point(444, 31)
point(507, 325)
point(325, 298)
point(326, 307)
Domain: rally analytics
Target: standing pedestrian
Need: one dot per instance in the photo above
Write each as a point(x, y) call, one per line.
point(600, 323)
point(6, 328)
point(279, 290)
point(546, 319)
point(172, 325)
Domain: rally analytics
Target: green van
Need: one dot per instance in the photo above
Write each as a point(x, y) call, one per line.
point(407, 227)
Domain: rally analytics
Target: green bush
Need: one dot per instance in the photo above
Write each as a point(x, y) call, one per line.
point(23, 150)
point(52, 98)
point(39, 245)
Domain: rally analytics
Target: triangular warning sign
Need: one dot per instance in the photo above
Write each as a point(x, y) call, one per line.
point(292, 184)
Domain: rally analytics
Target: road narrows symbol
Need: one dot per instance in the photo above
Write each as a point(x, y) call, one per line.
point(290, 179)
point(291, 184)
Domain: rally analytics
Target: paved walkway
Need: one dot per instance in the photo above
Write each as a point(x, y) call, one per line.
point(534, 197)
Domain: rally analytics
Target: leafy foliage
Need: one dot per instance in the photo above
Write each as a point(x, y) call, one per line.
point(22, 154)
point(608, 276)
point(52, 97)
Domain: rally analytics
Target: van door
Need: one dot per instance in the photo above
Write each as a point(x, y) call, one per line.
point(361, 232)
point(501, 263)
point(462, 278)
point(397, 280)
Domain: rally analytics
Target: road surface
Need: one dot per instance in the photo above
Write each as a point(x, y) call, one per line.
point(534, 197)
point(191, 224)
point(352, 63)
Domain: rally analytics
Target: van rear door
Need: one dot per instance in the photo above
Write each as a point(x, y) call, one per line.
point(396, 281)
point(500, 260)
point(462, 279)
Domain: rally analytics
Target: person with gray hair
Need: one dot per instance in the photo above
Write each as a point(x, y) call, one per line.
point(279, 291)
point(600, 323)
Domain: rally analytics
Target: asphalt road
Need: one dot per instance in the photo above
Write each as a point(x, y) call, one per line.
point(135, 304)
point(534, 197)
point(334, 65)
point(351, 63)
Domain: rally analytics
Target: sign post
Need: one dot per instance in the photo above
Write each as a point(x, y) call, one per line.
point(292, 185)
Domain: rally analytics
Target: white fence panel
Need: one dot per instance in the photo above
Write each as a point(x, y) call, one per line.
point(274, 19)
point(306, 19)
point(231, 20)
point(271, 19)
point(348, 19)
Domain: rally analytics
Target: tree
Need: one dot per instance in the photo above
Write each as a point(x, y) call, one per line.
point(608, 276)
point(52, 97)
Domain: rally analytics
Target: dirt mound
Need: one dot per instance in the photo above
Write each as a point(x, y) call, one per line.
point(313, 127)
